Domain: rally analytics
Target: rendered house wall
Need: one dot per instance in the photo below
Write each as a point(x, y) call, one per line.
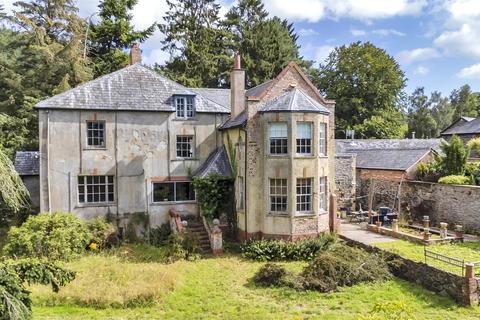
point(140, 149)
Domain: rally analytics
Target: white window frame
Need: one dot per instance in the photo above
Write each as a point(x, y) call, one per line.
point(322, 139)
point(174, 192)
point(278, 137)
point(273, 197)
point(189, 142)
point(83, 185)
point(303, 142)
point(303, 192)
point(322, 194)
point(97, 130)
point(187, 108)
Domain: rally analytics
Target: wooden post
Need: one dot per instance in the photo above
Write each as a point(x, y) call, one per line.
point(469, 270)
point(370, 197)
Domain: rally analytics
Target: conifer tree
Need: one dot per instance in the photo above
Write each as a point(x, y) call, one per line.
point(113, 35)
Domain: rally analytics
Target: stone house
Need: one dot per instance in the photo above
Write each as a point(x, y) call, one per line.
point(132, 140)
point(392, 160)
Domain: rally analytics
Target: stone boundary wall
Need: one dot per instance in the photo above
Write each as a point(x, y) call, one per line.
point(345, 178)
point(463, 290)
point(453, 204)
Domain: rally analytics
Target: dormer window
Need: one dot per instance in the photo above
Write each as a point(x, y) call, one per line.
point(185, 106)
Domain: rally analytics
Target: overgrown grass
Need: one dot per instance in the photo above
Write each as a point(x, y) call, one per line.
point(114, 280)
point(470, 251)
point(221, 288)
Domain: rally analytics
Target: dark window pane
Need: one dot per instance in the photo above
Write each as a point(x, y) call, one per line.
point(185, 191)
point(163, 192)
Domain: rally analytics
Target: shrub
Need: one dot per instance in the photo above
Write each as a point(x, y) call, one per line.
point(461, 180)
point(214, 194)
point(275, 250)
point(455, 158)
point(182, 246)
point(56, 236)
point(343, 266)
point(270, 275)
point(101, 231)
point(472, 170)
point(159, 235)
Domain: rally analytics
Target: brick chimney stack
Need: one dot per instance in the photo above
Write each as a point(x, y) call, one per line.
point(237, 88)
point(135, 54)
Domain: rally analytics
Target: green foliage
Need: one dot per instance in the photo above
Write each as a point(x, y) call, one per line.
point(14, 196)
point(455, 179)
point(465, 102)
point(113, 34)
point(275, 250)
point(430, 171)
point(56, 236)
point(390, 124)
point(214, 195)
point(15, 301)
point(455, 159)
point(344, 266)
point(100, 231)
point(370, 85)
point(182, 246)
point(159, 235)
point(474, 145)
point(472, 170)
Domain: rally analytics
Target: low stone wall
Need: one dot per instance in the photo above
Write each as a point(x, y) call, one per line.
point(465, 291)
point(345, 177)
point(442, 203)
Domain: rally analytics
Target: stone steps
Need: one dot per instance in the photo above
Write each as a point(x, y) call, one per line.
point(197, 230)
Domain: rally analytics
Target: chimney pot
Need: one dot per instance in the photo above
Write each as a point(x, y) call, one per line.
point(237, 64)
point(135, 54)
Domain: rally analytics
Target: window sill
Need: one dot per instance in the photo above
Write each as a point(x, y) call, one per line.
point(92, 205)
point(160, 203)
point(185, 119)
point(304, 214)
point(322, 212)
point(185, 159)
point(323, 156)
point(306, 156)
point(94, 148)
point(279, 214)
point(278, 156)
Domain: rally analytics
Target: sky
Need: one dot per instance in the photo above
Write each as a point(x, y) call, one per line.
point(436, 42)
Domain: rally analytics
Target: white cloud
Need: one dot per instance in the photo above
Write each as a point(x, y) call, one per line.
point(322, 52)
point(358, 32)
point(388, 32)
point(472, 72)
point(406, 57)
point(421, 70)
point(315, 10)
point(307, 32)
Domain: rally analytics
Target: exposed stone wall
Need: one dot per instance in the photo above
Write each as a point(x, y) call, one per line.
point(443, 203)
point(345, 178)
point(462, 290)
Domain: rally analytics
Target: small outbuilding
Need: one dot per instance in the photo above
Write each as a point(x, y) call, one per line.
point(27, 165)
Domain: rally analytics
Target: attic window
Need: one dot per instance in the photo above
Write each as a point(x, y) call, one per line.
point(185, 106)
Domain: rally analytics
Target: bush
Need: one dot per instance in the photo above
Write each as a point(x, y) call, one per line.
point(473, 171)
point(456, 156)
point(277, 250)
point(101, 231)
point(56, 236)
point(182, 246)
point(270, 275)
point(159, 235)
point(461, 180)
point(343, 266)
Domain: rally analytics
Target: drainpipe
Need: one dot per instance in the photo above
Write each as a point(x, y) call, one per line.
point(245, 183)
point(48, 161)
point(115, 141)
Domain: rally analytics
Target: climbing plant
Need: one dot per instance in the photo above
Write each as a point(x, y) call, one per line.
point(214, 194)
point(232, 153)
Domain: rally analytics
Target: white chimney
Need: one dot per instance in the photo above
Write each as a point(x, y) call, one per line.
point(237, 88)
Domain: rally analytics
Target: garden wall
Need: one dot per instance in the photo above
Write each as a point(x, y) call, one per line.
point(443, 203)
point(462, 290)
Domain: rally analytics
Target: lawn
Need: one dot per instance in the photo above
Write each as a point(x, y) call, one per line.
point(109, 285)
point(470, 251)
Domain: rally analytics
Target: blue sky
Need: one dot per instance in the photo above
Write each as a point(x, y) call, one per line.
point(436, 42)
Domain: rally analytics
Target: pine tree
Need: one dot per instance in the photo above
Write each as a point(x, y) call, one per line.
point(266, 45)
point(113, 34)
point(465, 102)
point(195, 43)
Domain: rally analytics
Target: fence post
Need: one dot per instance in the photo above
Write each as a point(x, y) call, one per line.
point(469, 270)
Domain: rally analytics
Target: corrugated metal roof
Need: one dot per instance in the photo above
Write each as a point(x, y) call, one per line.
point(27, 163)
point(217, 162)
point(294, 100)
point(133, 88)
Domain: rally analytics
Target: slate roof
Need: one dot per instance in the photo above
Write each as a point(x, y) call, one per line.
point(217, 162)
point(239, 121)
point(294, 100)
point(464, 125)
point(27, 163)
point(220, 96)
point(133, 88)
point(258, 90)
point(387, 154)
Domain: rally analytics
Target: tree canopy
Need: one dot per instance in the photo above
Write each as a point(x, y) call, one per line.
point(366, 83)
